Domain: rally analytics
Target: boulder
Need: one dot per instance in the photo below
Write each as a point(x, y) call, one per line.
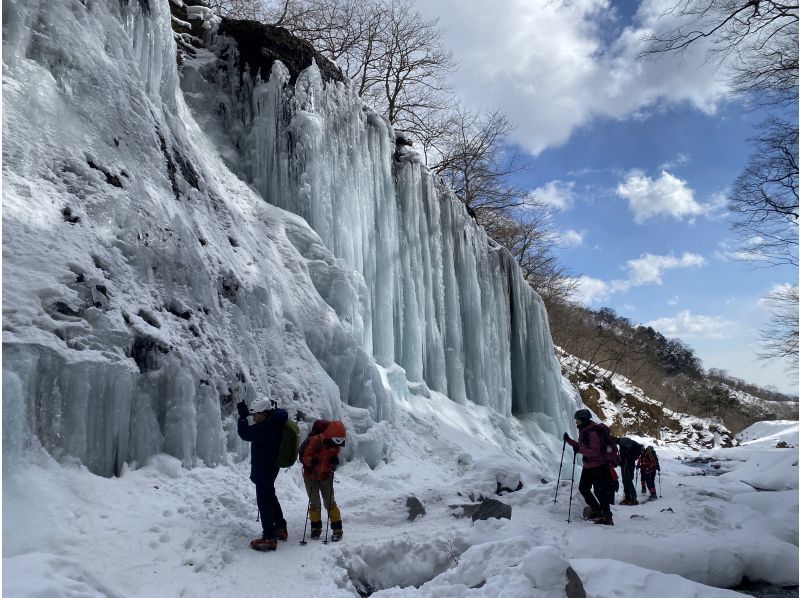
point(415, 508)
point(492, 508)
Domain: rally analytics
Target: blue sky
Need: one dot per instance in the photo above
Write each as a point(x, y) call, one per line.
point(636, 156)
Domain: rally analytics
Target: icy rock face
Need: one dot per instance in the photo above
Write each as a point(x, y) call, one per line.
point(439, 298)
point(146, 288)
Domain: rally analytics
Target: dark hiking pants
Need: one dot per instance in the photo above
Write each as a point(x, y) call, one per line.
point(599, 479)
point(628, 469)
point(649, 480)
point(269, 508)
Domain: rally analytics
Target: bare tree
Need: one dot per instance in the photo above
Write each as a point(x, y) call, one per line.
point(758, 38)
point(413, 66)
point(764, 198)
point(250, 10)
point(780, 337)
point(473, 158)
point(393, 55)
point(476, 164)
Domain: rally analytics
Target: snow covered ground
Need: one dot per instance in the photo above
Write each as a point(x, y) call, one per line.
point(163, 530)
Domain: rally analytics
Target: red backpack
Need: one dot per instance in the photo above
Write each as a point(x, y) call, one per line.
point(318, 427)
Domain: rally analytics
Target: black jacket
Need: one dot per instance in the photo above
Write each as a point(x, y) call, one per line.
point(629, 450)
point(266, 438)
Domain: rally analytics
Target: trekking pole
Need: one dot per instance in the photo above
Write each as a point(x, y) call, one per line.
point(564, 446)
point(305, 525)
point(328, 520)
point(571, 483)
point(659, 484)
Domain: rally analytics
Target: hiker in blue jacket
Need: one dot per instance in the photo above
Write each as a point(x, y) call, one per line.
point(262, 425)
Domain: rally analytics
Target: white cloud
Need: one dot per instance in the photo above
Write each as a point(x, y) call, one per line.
point(556, 194)
point(588, 290)
point(685, 325)
point(738, 251)
point(552, 67)
point(673, 301)
point(644, 270)
point(678, 160)
point(665, 196)
point(648, 268)
point(570, 238)
point(778, 290)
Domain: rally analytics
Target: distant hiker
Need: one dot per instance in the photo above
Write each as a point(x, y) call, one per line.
point(629, 451)
point(648, 464)
point(319, 454)
point(598, 451)
point(262, 425)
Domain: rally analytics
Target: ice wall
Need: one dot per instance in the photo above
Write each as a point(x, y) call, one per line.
point(441, 299)
point(145, 286)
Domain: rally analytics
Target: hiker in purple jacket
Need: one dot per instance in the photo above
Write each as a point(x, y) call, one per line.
point(596, 472)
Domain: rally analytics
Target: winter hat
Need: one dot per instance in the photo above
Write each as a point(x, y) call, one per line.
point(583, 414)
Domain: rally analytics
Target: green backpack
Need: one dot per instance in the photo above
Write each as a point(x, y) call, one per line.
point(287, 451)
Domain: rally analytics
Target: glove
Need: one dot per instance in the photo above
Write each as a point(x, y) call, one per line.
point(566, 437)
point(334, 463)
point(241, 407)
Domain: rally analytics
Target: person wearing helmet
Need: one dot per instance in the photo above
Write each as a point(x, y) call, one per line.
point(596, 474)
point(261, 424)
point(320, 458)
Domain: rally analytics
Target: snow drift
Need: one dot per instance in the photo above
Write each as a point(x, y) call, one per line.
point(147, 286)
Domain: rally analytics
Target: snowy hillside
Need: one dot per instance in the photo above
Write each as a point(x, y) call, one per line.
point(626, 409)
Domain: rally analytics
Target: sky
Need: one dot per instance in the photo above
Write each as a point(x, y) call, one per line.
point(635, 155)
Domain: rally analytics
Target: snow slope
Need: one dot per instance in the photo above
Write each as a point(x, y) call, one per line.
point(163, 530)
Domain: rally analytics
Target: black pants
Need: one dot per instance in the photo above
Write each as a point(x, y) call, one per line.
point(649, 480)
point(599, 479)
point(269, 508)
point(628, 469)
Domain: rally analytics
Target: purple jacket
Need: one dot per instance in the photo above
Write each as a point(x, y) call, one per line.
point(590, 445)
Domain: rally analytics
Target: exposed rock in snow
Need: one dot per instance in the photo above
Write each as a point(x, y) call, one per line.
point(491, 508)
point(625, 408)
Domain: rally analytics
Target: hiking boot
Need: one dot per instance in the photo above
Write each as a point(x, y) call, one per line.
point(337, 535)
point(644, 490)
point(282, 534)
point(264, 544)
point(604, 520)
point(316, 532)
point(589, 514)
point(653, 496)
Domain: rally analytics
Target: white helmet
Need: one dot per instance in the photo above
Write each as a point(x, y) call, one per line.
point(261, 404)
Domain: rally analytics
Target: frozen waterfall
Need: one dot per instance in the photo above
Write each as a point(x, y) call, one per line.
point(442, 300)
point(147, 286)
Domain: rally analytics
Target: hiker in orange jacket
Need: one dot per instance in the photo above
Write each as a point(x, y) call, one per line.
point(320, 458)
